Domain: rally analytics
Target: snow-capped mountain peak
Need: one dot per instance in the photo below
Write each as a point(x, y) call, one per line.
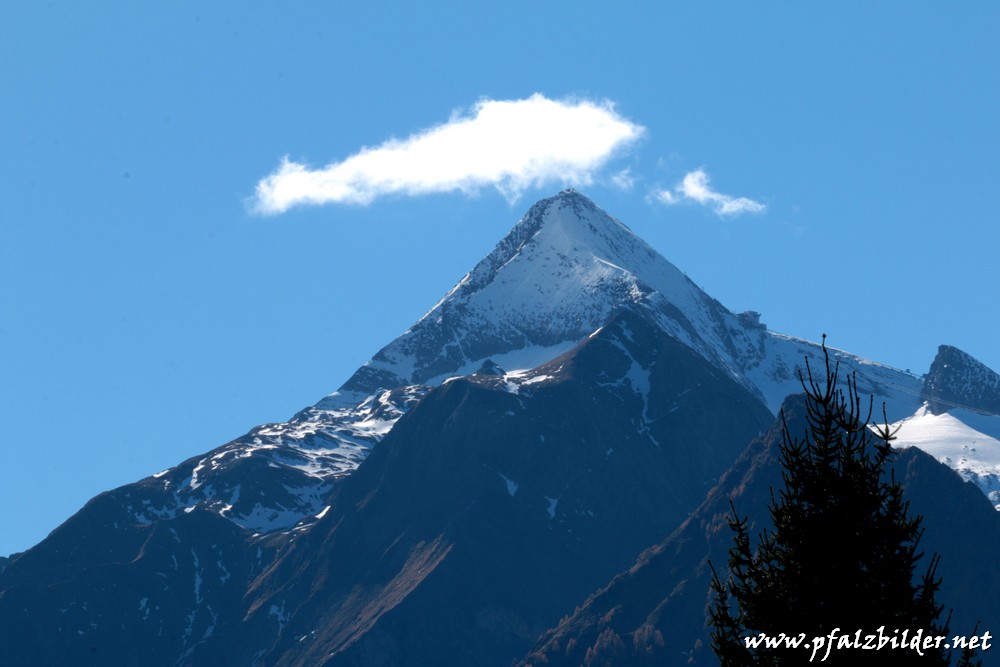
point(554, 279)
point(561, 274)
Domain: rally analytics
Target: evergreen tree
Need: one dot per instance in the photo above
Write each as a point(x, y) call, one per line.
point(842, 553)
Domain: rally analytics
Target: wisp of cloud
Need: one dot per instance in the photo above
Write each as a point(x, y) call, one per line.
point(510, 145)
point(694, 187)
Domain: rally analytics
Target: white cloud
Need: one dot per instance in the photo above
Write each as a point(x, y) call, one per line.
point(623, 180)
point(694, 187)
point(666, 196)
point(507, 144)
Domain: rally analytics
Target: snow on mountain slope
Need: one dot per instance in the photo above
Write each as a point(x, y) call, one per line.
point(557, 277)
point(777, 375)
point(943, 414)
point(553, 280)
point(968, 442)
point(277, 476)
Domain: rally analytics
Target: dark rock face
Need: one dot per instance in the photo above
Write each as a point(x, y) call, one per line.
point(528, 490)
point(655, 613)
point(957, 380)
point(103, 589)
point(499, 501)
point(493, 506)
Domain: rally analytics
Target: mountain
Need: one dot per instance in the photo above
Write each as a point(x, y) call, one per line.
point(559, 274)
point(566, 405)
point(553, 280)
point(491, 507)
point(557, 277)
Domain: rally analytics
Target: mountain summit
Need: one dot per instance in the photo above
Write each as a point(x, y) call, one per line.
point(554, 279)
point(557, 277)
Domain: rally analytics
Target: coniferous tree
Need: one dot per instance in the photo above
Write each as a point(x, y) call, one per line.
point(842, 553)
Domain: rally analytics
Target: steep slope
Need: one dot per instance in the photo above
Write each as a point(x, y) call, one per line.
point(498, 501)
point(277, 475)
point(655, 613)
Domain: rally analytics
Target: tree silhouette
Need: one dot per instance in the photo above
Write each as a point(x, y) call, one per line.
point(842, 553)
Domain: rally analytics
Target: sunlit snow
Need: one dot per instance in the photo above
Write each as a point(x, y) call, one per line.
point(966, 441)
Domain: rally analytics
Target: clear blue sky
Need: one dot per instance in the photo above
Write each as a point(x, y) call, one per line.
point(149, 315)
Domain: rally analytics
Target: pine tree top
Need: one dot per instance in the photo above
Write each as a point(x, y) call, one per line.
point(843, 551)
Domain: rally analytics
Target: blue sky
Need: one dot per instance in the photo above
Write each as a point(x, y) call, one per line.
point(833, 167)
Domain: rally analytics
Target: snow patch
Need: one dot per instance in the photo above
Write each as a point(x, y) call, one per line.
point(511, 485)
point(197, 578)
point(551, 510)
point(279, 613)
